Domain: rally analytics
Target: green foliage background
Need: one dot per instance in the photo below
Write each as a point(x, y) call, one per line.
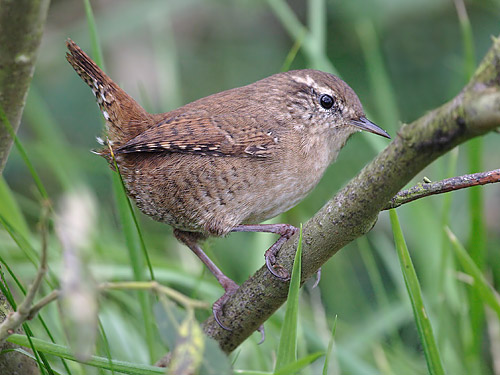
point(403, 58)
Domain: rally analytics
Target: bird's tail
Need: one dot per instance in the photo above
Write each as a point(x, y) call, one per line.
point(125, 118)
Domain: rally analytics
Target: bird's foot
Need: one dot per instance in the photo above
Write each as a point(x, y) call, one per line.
point(230, 288)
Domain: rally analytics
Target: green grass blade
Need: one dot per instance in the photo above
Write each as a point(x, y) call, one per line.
point(295, 367)
point(288, 18)
point(39, 356)
point(448, 287)
point(314, 51)
point(287, 350)
point(488, 293)
point(127, 215)
point(4, 286)
point(373, 271)
point(33, 357)
point(292, 54)
point(445, 218)
point(316, 12)
point(477, 227)
point(424, 327)
point(291, 368)
point(107, 348)
point(330, 347)
point(6, 292)
point(467, 39)
point(94, 35)
point(478, 252)
point(24, 155)
point(166, 55)
point(99, 60)
point(95, 361)
point(10, 209)
point(28, 251)
point(131, 238)
point(44, 128)
point(380, 83)
point(21, 242)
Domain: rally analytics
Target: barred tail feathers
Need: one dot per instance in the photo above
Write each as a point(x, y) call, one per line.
point(125, 118)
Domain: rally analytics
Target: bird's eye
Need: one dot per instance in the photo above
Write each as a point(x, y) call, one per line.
point(326, 101)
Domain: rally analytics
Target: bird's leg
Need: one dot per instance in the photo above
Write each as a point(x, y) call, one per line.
point(191, 240)
point(285, 231)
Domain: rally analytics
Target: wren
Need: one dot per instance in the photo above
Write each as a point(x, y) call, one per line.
point(227, 162)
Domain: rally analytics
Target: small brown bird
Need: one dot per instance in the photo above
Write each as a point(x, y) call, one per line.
point(227, 162)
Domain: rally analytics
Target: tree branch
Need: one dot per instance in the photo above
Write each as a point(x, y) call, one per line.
point(353, 211)
point(21, 28)
point(423, 190)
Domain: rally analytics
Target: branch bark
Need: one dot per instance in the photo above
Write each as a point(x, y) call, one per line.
point(21, 28)
point(353, 211)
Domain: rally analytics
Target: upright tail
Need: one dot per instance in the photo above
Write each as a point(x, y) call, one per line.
point(125, 118)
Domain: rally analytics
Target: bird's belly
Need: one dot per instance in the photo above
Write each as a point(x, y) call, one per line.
point(279, 201)
point(211, 195)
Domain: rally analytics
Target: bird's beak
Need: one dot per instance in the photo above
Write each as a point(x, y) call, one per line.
point(364, 124)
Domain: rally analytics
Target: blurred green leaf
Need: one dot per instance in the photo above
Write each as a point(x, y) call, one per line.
point(170, 319)
point(189, 348)
point(78, 301)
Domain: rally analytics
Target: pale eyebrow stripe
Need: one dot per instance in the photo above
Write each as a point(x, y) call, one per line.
point(310, 82)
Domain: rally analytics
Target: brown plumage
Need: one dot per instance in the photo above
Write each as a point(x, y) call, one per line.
point(230, 160)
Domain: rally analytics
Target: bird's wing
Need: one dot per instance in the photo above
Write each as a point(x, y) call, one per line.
point(203, 135)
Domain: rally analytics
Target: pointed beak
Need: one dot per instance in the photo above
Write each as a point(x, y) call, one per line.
point(364, 124)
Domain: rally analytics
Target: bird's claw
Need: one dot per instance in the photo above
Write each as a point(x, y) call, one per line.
point(262, 334)
point(276, 269)
point(230, 288)
point(318, 278)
